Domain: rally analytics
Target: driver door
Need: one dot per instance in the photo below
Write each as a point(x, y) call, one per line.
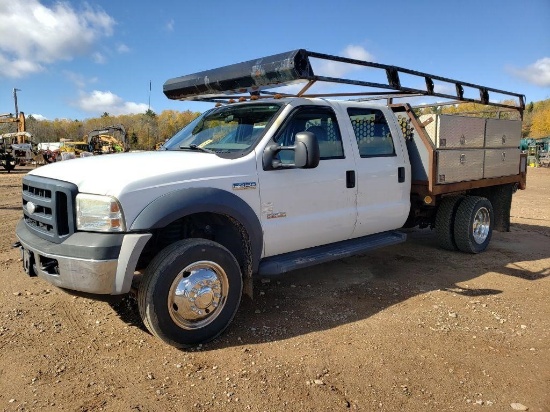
point(302, 208)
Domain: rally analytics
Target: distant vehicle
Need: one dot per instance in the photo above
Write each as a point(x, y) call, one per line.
point(16, 148)
point(76, 147)
point(110, 139)
point(66, 149)
point(7, 158)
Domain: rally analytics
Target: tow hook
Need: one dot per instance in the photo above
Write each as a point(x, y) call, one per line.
point(16, 245)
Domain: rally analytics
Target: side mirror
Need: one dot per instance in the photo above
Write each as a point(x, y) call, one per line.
point(306, 153)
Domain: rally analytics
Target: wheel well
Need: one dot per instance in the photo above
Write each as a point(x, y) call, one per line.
point(219, 228)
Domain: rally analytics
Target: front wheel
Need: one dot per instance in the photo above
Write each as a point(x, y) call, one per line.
point(190, 292)
point(473, 225)
point(10, 164)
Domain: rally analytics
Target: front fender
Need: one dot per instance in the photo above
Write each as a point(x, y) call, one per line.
point(180, 203)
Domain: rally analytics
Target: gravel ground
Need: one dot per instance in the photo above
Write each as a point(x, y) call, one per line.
point(410, 327)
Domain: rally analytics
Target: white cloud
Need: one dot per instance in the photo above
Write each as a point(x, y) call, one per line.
point(38, 116)
point(79, 80)
point(98, 102)
point(330, 69)
point(122, 48)
point(98, 58)
point(337, 69)
point(537, 73)
point(17, 67)
point(170, 25)
point(357, 53)
point(33, 35)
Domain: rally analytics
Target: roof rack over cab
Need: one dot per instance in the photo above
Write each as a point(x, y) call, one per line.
point(256, 77)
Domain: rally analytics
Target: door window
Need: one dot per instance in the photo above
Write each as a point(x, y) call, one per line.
point(372, 132)
point(319, 120)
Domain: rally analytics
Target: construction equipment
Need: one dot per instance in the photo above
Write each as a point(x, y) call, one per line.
point(15, 147)
point(67, 146)
point(537, 151)
point(110, 139)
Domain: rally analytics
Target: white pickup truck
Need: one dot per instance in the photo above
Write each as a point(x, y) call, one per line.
point(266, 183)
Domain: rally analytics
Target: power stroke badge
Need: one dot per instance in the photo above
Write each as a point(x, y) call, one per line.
point(244, 186)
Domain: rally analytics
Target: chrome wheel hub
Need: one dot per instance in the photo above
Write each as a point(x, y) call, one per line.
point(481, 225)
point(197, 295)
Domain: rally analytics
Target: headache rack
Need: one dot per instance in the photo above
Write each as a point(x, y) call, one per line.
point(253, 80)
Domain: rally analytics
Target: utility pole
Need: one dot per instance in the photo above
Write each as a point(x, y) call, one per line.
point(149, 104)
point(15, 100)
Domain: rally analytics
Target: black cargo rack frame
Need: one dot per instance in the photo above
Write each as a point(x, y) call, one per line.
point(252, 79)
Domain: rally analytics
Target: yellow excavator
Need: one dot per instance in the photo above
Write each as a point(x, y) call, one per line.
point(110, 139)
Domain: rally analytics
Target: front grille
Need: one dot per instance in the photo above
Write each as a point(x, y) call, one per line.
point(48, 207)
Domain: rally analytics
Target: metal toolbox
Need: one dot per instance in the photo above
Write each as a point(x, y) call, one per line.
point(459, 165)
point(454, 132)
point(502, 133)
point(501, 162)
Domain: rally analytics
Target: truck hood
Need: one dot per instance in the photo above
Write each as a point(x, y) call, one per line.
point(117, 174)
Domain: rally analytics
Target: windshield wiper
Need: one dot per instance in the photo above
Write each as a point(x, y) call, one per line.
point(197, 148)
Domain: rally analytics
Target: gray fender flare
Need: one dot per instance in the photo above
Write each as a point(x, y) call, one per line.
point(180, 203)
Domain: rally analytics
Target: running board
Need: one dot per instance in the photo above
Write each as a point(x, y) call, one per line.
point(277, 265)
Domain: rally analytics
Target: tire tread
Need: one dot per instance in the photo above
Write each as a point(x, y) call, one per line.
point(445, 220)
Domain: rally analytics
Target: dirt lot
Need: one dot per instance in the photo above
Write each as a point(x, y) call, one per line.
point(410, 327)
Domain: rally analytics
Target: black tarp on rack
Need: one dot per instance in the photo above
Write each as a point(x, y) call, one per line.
point(246, 77)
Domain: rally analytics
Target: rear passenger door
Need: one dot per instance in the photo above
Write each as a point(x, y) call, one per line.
point(383, 172)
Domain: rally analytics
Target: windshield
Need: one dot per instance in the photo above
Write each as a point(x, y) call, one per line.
point(227, 129)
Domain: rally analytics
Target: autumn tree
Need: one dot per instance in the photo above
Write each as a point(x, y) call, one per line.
point(147, 129)
point(540, 126)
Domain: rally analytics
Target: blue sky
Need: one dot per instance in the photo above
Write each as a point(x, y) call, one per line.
point(77, 60)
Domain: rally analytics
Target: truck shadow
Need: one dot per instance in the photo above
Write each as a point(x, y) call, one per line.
point(15, 171)
point(352, 289)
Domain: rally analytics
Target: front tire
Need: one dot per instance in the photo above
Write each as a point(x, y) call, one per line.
point(190, 292)
point(8, 166)
point(473, 226)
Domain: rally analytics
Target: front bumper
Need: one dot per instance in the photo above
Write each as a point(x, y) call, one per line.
point(97, 263)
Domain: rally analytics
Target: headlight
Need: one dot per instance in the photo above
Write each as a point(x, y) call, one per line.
point(96, 213)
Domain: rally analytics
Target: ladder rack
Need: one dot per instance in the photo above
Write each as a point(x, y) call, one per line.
point(253, 79)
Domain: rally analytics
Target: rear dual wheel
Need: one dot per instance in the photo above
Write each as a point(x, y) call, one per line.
point(445, 220)
point(473, 226)
point(465, 223)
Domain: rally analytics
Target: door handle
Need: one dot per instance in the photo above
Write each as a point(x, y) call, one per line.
point(400, 174)
point(350, 179)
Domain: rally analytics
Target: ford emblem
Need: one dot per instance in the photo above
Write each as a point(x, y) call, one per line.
point(31, 207)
